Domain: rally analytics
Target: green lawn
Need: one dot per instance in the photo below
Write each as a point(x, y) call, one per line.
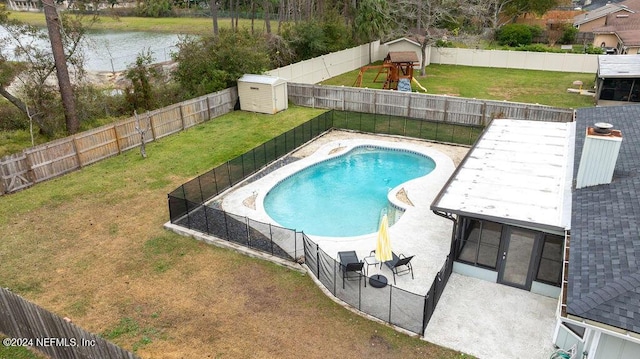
point(529, 86)
point(90, 245)
point(174, 25)
point(17, 352)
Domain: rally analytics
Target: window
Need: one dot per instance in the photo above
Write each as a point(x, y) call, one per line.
point(480, 242)
point(619, 90)
point(550, 266)
point(470, 238)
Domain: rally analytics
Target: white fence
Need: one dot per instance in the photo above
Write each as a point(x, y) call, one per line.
point(545, 61)
point(337, 63)
point(327, 66)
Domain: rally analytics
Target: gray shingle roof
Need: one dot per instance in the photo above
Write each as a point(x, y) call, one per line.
point(604, 263)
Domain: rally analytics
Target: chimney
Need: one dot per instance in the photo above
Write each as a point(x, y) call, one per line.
point(599, 155)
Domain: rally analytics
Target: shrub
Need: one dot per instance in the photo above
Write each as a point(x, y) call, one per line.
point(154, 8)
point(537, 48)
point(11, 118)
point(444, 43)
point(516, 34)
point(568, 34)
point(209, 64)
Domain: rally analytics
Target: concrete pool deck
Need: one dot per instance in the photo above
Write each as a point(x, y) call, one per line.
point(484, 319)
point(418, 232)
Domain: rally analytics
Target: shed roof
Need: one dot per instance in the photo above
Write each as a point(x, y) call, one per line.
point(604, 262)
point(618, 66)
point(261, 79)
point(519, 172)
point(413, 42)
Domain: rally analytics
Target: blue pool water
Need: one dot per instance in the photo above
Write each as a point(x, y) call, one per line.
point(343, 196)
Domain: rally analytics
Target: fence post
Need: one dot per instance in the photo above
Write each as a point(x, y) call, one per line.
point(390, 299)
point(313, 96)
point(409, 105)
point(483, 107)
point(152, 125)
point(115, 134)
point(208, 108)
point(271, 238)
point(181, 117)
point(318, 263)
point(75, 149)
point(374, 98)
point(248, 232)
point(200, 187)
point(446, 110)
point(226, 224)
point(424, 313)
point(206, 218)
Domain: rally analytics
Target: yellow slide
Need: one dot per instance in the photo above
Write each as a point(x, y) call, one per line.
point(418, 84)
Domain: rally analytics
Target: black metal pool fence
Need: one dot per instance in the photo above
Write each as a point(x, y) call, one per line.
point(396, 306)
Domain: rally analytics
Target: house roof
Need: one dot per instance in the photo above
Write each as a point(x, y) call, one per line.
point(600, 13)
point(604, 262)
point(594, 4)
point(618, 66)
point(627, 28)
point(518, 172)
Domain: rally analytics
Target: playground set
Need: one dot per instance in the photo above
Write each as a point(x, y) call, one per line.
point(398, 67)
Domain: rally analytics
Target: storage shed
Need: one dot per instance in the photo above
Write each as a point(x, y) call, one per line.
point(262, 93)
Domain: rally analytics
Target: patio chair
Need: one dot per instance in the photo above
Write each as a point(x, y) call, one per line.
point(400, 265)
point(349, 263)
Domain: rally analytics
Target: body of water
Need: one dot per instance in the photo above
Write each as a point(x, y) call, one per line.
point(114, 51)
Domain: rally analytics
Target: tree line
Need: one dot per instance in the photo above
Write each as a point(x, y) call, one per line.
point(304, 29)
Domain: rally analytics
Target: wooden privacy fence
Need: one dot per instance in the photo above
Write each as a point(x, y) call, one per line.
point(26, 324)
point(438, 108)
point(58, 157)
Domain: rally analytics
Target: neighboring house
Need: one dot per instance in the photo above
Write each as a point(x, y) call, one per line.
point(615, 27)
point(621, 33)
point(589, 5)
point(597, 18)
point(600, 312)
point(547, 208)
point(618, 80)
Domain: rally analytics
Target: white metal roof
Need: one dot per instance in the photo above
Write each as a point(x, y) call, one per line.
point(618, 66)
point(519, 172)
point(261, 79)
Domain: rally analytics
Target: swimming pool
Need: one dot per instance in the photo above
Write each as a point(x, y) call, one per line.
point(344, 196)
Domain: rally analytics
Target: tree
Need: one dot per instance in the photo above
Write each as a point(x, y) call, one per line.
point(141, 75)
point(38, 65)
point(422, 17)
point(372, 21)
point(214, 15)
point(495, 13)
point(209, 64)
point(54, 27)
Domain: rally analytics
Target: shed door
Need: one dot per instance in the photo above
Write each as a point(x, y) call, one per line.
point(518, 249)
